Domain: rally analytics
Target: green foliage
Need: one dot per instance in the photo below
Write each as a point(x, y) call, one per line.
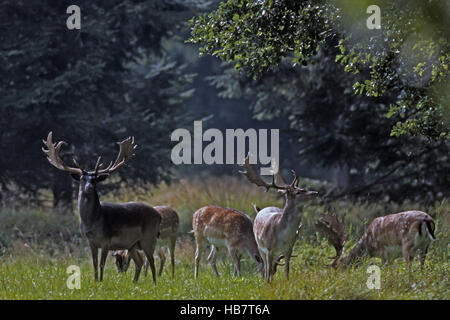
point(407, 58)
point(256, 35)
point(333, 128)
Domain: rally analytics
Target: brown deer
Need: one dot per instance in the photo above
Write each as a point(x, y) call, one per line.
point(167, 240)
point(109, 226)
point(224, 227)
point(276, 230)
point(388, 237)
point(122, 259)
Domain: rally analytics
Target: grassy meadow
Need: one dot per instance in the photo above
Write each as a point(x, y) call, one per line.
point(38, 244)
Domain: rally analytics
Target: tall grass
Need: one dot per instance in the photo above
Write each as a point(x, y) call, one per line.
point(37, 244)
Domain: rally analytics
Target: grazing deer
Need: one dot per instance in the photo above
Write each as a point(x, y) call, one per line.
point(388, 237)
point(123, 257)
point(276, 229)
point(166, 240)
point(224, 227)
point(109, 226)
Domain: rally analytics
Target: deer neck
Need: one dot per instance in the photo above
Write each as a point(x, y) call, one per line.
point(89, 207)
point(291, 217)
point(357, 251)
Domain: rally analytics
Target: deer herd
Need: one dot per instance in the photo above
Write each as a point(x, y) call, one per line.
point(127, 228)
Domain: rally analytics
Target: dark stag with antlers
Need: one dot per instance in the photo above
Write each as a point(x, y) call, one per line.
point(109, 226)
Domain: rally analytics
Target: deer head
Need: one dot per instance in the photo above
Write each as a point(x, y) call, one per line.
point(333, 230)
point(88, 179)
point(122, 260)
point(278, 181)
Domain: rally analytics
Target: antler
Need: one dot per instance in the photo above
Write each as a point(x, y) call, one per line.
point(53, 157)
point(253, 177)
point(331, 228)
point(126, 152)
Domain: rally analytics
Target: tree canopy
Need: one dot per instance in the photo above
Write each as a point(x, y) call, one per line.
point(407, 58)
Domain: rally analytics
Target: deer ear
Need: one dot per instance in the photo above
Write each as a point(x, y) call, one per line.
point(75, 176)
point(102, 177)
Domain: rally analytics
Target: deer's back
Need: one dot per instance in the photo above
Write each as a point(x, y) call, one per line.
point(394, 229)
point(129, 214)
point(265, 226)
point(221, 223)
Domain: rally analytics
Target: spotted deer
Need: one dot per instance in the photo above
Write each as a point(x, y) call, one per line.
point(166, 241)
point(277, 229)
point(389, 237)
point(224, 227)
point(109, 226)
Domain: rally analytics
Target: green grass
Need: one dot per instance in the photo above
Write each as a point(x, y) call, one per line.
point(38, 244)
point(42, 277)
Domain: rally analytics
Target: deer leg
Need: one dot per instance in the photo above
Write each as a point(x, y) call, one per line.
point(212, 260)
point(172, 244)
point(264, 265)
point(270, 266)
point(406, 247)
point(287, 259)
point(162, 259)
point(138, 262)
point(103, 256)
point(149, 254)
point(94, 252)
point(236, 261)
point(198, 255)
point(423, 256)
point(145, 267)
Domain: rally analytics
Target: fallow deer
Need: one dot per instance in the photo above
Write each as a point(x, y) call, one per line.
point(167, 240)
point(388, 237)
point(224, 227)
point(276, 230)
point(109, 226)
point(122, 259)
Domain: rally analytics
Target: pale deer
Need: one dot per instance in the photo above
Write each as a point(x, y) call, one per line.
point(224, 227)
point(109, 226)
point(167, 240)
point(276, 230)
point(389, 237)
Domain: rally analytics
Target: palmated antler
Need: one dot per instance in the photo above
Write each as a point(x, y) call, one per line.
point(333, 230)
point(253, 177)
point(126, 152)
point(52, 153)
